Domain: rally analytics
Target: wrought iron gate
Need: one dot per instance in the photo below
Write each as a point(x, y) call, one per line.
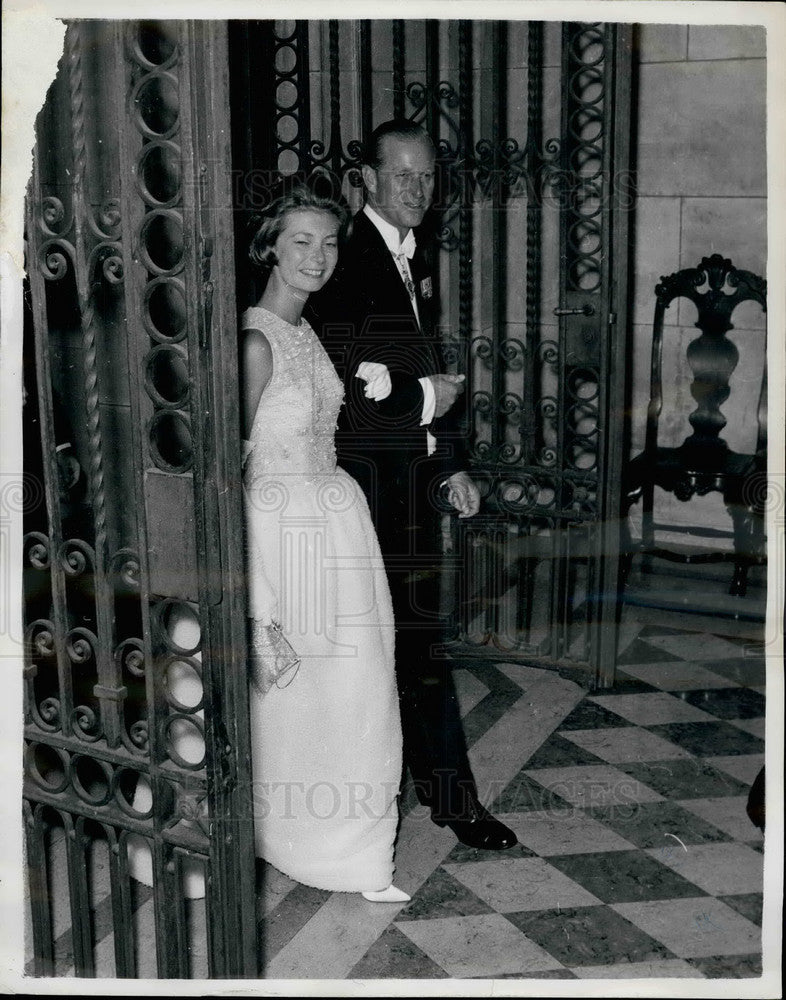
point(136, 715)
point(532, 126)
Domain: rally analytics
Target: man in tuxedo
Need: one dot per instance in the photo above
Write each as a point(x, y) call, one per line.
point(399, 436)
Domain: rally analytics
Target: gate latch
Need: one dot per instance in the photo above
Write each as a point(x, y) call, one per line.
point(585, 310)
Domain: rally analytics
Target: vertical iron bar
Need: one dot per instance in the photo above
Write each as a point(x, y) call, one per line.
point(48, 443)
point(614, 347)
point(247, 938)
point(201, 285)
point(571, 581)
point(553, 577)
point(569, 103)
point(38, 886)
point(590, 604)
point(527, 574)
point(533, 289)
point(366, 89)
point(502, 631)
point(304, 94)
point(523, 604)
point(399, 56)
point(482, 580)
point(469, 550)
point(167, 905)
point(458, 615)
point(108, 690)
point(497, 276)
point(565, 550)
point(133, 214)
point(120, 889)
point(84, 964)
point(489, 566)
point(231, 896)
point(472, 559)
point(465, 162)
point(300, 113)
point(567, 34)
point(498, 118)
point(175, 880)
point(432, 78)
point(335, 97)
point(229, 786)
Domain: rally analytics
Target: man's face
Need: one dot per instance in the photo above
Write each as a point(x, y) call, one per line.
point(401, 189)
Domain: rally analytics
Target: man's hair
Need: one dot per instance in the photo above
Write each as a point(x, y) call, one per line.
point(400, 128)
point(271, 223)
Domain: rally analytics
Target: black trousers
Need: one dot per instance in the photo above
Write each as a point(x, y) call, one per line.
point(434, 746)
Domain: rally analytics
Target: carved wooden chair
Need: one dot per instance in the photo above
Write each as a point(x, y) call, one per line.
point(704, 463)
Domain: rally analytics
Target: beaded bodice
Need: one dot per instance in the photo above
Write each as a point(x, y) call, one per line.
point(295, 423)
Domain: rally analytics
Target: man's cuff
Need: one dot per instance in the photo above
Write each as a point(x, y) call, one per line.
point(429, 401)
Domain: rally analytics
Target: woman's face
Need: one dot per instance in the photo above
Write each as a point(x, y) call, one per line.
point(307, 248)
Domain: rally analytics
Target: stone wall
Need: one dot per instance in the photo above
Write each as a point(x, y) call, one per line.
point(701, 158)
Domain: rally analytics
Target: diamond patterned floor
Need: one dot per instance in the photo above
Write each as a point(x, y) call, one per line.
point(636, 857)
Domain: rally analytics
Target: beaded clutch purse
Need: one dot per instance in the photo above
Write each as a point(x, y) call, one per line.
point(271, 656)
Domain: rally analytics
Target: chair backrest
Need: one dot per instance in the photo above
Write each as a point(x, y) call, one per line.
point(716, 287)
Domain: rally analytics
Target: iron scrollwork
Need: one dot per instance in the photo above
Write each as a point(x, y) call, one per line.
point(333, 157)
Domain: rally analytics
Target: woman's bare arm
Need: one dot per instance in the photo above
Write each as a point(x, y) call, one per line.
point(256, 369)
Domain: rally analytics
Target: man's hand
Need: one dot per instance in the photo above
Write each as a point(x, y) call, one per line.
point(463, 494)
point(446, 391)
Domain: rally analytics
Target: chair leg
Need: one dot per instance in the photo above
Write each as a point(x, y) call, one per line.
point(742, 520)
point(647, 527)
point(626, 554)
point(739, 580)
point(528, 590)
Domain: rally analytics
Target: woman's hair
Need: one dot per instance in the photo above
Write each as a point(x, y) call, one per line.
point(271, 223)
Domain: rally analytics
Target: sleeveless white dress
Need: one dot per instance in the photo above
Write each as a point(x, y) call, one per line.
point(326, 743)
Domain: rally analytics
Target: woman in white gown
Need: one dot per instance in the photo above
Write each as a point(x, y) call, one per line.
point(326, 737)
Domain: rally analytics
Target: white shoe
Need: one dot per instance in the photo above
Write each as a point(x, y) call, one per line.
point(389, 895)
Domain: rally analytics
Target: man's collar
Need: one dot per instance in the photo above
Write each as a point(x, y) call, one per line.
point(389, 234)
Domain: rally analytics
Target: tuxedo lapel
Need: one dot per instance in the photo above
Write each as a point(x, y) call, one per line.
point(388, 291)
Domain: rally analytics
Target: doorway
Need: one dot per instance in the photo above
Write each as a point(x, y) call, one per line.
point(131, 558)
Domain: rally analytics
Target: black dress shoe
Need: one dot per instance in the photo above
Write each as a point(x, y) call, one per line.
point(481, 830)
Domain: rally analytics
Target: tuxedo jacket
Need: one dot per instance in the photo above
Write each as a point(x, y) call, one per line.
point(364, 313)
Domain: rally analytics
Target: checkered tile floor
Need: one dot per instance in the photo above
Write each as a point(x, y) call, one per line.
point(636, 857)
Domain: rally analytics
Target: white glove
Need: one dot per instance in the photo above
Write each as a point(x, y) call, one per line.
point(377, 379)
